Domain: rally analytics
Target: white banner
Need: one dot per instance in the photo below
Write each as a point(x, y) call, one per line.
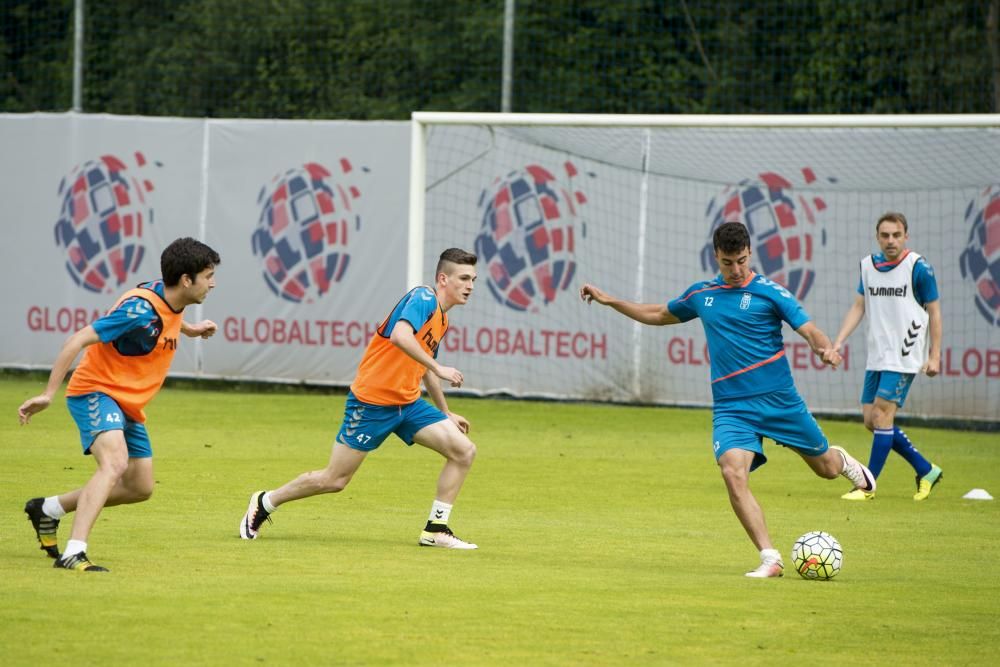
point(91, 203)
point(310, 219)
point(640, 209)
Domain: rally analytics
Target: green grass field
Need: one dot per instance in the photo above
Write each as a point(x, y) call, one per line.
point(605, 538)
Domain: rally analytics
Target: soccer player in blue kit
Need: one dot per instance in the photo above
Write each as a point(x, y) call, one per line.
point(752, 388)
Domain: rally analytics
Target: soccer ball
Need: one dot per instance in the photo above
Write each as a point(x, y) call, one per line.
point(817, 555)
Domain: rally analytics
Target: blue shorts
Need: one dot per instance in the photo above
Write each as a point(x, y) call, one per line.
point(366, 426)
point(96, 413)
point(743, 423)
point(890, 385)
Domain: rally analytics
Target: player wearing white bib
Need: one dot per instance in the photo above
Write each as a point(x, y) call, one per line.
point(899, 293)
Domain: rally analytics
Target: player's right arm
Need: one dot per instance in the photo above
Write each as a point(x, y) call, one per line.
point(64, 360)
point(403, 338)
point(852, 319)
point(647, 313)
point(434, 390)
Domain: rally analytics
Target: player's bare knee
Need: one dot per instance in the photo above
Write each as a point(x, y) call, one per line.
point(734, 476)
point(470, 452)
point(463, 452)
point(113, 466)
point(333, 483)
point(142, 493)
point(881, 417)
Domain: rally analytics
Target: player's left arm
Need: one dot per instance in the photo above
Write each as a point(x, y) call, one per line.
point(788, 309)
point(820, 344)
point(933, 364)
point(925, 289)
point(434, 390)
point(204, 329)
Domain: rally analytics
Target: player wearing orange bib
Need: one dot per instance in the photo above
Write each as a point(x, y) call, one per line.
point(127, 355)
point(385, 399)
point(387, 375)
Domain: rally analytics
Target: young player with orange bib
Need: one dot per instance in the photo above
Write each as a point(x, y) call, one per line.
point(127, 354)
point(385, 399)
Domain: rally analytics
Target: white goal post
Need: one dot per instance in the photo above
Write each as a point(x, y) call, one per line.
point(550, 201)
point(421, 120)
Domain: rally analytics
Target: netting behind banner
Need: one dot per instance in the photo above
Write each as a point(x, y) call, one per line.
point(632, 209)
point(360, 59)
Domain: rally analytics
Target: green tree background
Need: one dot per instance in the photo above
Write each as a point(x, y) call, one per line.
point(361, 59)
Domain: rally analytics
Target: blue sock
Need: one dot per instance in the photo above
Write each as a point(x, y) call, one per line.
point(902, 446)
point(881, 446)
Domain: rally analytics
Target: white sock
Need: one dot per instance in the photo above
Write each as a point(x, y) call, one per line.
point(265, 500)
point(439, 512)
point(768, 554)
point(74, 547)
point(52, 509)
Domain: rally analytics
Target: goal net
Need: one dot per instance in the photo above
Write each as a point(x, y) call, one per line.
point(629, 203)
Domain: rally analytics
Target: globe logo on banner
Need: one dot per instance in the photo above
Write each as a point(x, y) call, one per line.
point(980, 261)
point(527, 237)
point(783, 226)
point(304, 229)
point(101, 222)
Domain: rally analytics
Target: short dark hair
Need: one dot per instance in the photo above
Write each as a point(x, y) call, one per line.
point(730, 237)
point(454, 256)
point(893, 216)
point(186, 256)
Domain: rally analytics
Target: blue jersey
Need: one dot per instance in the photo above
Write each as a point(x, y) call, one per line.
point(416, 308)
point(924, 283)
point(133, 325)
point(743, 329)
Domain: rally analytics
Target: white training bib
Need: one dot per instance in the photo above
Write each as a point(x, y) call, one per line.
point(897, 323)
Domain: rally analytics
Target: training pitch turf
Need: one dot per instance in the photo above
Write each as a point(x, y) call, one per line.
point(605, 538)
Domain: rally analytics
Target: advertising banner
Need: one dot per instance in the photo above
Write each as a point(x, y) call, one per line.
point(550, 209)
point(310, 218)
